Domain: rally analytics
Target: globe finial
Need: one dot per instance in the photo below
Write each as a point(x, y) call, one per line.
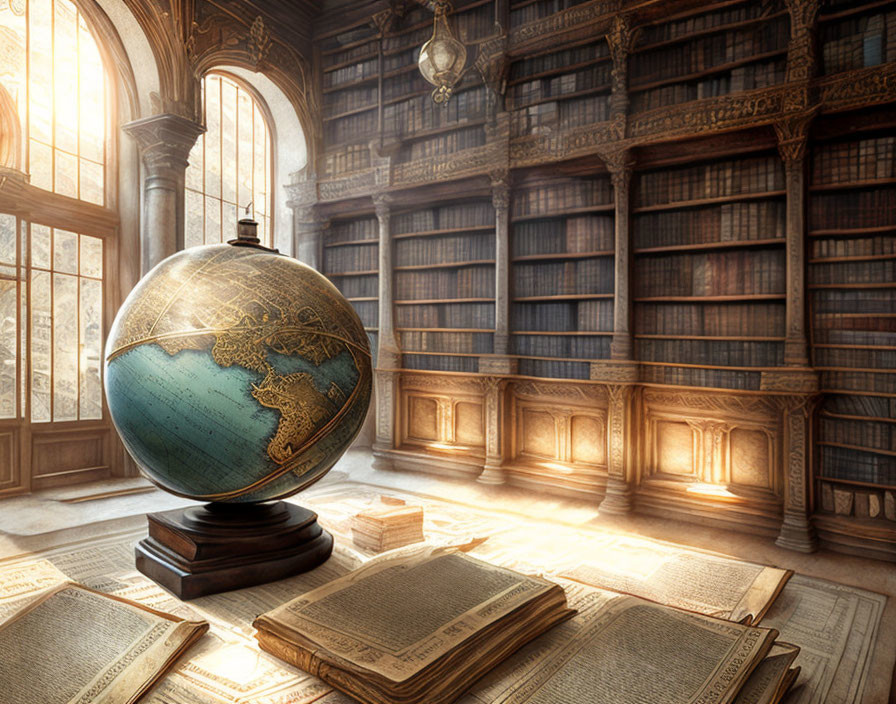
point(247, 231)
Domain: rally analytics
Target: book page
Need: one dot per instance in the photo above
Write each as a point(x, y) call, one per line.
point(77, 646)
point(396, 616)
point(767, 683)
point(624, 650)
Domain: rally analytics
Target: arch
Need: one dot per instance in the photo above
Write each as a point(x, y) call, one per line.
point(10, 132)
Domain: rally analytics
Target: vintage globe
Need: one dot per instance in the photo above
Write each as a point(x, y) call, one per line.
point(236, 374)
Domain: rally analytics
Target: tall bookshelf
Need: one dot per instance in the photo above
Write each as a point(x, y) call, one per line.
point(738, 47)
point(350, 261)
point(709, 272)
point(852, 280)
point(856, 35)
point(444, 264)
point(562, 246)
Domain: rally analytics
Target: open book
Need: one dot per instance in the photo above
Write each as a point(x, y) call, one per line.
point(414, 628)
point(74, 645)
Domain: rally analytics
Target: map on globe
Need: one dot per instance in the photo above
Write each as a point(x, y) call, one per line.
point(236, 374)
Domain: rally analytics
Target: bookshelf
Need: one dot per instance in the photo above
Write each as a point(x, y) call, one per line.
point(351, 250)
point(852, 281)
point(562, 247)
point(444, 269)
point(856, 35)
point(738, 47)
point(709, 272)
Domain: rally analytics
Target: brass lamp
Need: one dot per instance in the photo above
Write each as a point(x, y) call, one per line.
point(442, 58)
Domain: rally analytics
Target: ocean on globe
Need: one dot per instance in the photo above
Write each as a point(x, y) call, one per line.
point(235, 374)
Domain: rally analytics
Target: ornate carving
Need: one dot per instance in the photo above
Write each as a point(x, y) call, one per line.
point(620, 39)
point(597, 13)
point(853, 89)
point(538, 149)
point(358, 184)
point(458, 165)
point(590, 394)
point(258, 43)
point(755, 406)
point(791, 381)
point(801, 50)
point(382, 204)
point(793, 136)
point(165, 142)
point(385, 406)
point(500, 189)
point(492, 63)
point(448, 385)
point(609, 370)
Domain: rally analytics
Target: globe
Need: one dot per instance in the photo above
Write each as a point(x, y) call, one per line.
point(235, 374)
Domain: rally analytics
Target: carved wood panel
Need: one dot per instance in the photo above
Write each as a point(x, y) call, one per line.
point(445, 418)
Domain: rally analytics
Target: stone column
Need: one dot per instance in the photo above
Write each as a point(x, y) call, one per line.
point(621, 346)
point(620, 445)
point(165, 142)
point(308, 236)
point(388, 361)
point(501, 201)
point(797, 533)
point(493, 470)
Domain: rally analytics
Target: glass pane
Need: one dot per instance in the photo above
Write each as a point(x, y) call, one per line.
point(40, 54)
point(91, 182)
point(91, 256)
point(41, 166)
point(92, 97)
point(229, 222)
point(91, 401)
point(258, 147)
point(40, 246)
point(228, 140)
point(196, 165)
point(65, 251)
point(65, 53)
point(41, 336)
point(9, 304)
point(212, 144)
point(193, 234)
point(65, 347)
point(66, 174)
point(23, 316)
point(13, 53)
point(244, 130)
point(212, 220)
point(7, 239)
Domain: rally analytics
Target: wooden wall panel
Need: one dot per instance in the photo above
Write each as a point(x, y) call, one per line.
point(9, 459)
point(65, 457)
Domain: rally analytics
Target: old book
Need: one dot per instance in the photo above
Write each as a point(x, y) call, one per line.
point(74, 645)
point(386, 527)
point(624, 650)
point(416, 628)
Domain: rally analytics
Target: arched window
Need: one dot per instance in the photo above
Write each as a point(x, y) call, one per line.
point(230, 165)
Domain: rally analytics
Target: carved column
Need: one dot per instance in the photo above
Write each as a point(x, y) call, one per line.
point(493, 471)
point(386, 376)
point(165, 142)
point(619, 40)
point(308, 236)
point(501, 201)
point(621, 174)
point(797, 532)
point(620, 448)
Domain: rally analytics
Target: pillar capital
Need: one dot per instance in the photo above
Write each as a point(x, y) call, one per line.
point(164, 141)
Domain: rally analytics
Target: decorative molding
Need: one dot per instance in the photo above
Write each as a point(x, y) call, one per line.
point(729, 404)
point(449, 385)
point(595, 15)
point(358, 184)
point(164, 141)
point(614, 371)
point(546, 390)
point(493, 63)
point(801, 60)
point(793, 136)
point(794, 381)
point(469, 162)
point(859, 88)
point(258, 43)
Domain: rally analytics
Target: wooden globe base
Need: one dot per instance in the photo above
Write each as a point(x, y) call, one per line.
point(214, 548)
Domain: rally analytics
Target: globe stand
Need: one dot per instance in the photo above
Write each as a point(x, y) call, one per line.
point(214, 548)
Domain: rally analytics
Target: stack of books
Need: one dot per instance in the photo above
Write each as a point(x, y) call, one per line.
point(386, 527)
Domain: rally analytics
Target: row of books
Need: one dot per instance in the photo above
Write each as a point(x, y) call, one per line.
point(859, 359)
point(730, 222)
point(875, 382)
point(877, 271)
point(561, 196)
point(759, 319)
point(351, 128)
point(553, 369)
point(853, 210)
point(352, 73)
point(858, 466)
point(446, 217)
point(417, 251)
point(707, 52)
point(348, 158)
point(468, 282)
point(540, 89)
point(857, 42)
point(871, 406)
point(718, 179)
point(353, 230)
point(750, 77)
point(876, 435)
point(398, 43)
point(368, 50)
point(571, 235)
point(563, 316)
point(700, 376)
point(362, 257)
point(351, 36)
point(728, 273)
point(368, 312)
point(479, 316)
point(350, 99)
point(548, 117)
point(573, 347)
point(448, 342)
point(440, 363)
point(442, 145)
point(358, 286)
point(398, 60)
point(582, 276)
point(743, 12)
point(373, 338)
point(856, 337)
point(878, 246)
point(558, 61)
point(870, 302)
point(404, 84)
point(855, 160)
point(734, 353)
point(538, 10)
point(423, 113)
